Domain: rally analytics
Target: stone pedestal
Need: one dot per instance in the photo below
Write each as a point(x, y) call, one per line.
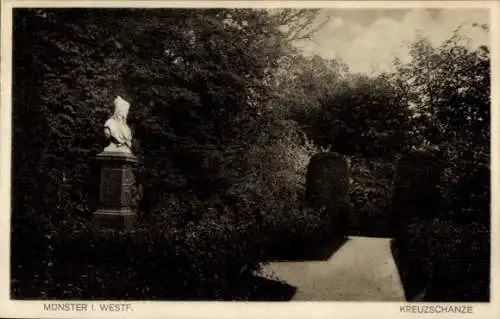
point(117, 184)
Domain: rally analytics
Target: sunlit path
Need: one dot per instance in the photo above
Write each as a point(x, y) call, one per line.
point(363, 269)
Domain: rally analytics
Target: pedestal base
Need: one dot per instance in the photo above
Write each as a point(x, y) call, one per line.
point(114, 219)
point(116, 190)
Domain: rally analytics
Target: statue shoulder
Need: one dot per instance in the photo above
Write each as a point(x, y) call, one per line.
point(109, 122)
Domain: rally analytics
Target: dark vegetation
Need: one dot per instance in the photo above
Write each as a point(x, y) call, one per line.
point(226, 114)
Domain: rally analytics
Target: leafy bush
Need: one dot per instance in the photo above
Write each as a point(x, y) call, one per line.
point(370, 193)
point(197, 261)
point(274, 189)
point(454, 259)
point(452, 248)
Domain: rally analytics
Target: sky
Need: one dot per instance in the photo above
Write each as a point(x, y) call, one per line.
point(368, 39)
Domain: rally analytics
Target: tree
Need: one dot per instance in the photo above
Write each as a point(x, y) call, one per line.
point(354, 114)
point(364, 116)
point(297, 24)
point(448, 88)
point(199, 82)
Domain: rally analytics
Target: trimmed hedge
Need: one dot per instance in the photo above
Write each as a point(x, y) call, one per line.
point(444, 245)
point(416, 192)
point(327, 189)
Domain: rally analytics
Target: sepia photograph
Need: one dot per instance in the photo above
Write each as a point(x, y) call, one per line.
point(255, 154)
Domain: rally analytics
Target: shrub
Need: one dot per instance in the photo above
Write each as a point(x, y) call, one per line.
point(272, 186)
point(452, 260)
point(327, 187)
point(198, 261)
point(416, 193)
point(452, 247)
point(371, 191)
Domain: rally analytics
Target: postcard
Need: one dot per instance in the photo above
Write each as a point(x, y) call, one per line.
point(253, 159)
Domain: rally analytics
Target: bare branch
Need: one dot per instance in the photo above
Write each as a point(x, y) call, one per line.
point(299, 23)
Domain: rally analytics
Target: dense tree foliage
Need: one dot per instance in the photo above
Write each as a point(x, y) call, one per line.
point(210, 146)
point(186, 92)
point(448, 88)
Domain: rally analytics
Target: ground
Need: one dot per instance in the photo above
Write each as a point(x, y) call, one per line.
point(362, 269)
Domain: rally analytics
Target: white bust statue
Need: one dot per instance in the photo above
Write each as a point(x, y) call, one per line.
point(117, 130)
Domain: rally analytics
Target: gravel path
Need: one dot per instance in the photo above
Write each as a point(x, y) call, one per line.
point(363, 269)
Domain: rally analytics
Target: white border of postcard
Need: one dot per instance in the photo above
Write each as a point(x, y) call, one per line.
point(34, 309)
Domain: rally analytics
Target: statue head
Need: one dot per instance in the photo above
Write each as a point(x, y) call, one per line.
point(121, 108)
